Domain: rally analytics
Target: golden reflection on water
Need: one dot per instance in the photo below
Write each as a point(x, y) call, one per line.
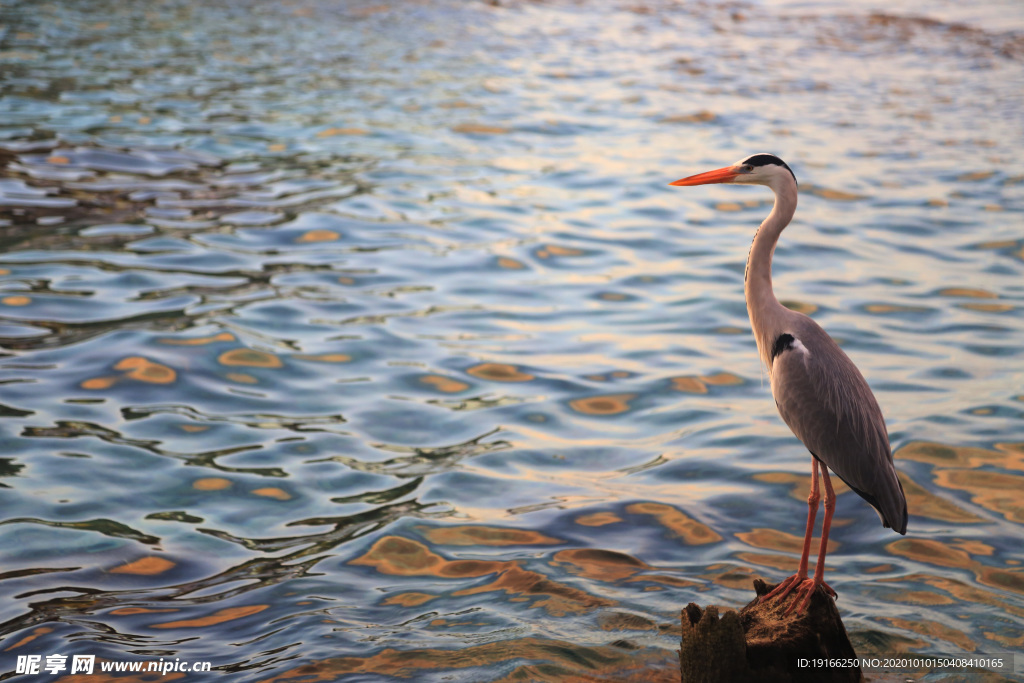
point(598, 519)
point(731, 576)
point(941, 554)
point(600, 565)
point(702, 116)
point(485, 535)
point(221, 616)
point(997, 244)
point(995, 491)
point(773, 539)
point(249, 358)
point(611, 404)
point(411, 599)
point(272, 492)
point(1008, 455)
point(1008, 641)
point(690, 530)
point(146, 370)
point(145, 566)
point(667, 580)
point(556, 598)
point(330, 132)
point(510, 263)
point(800, 484)
point(926, 504)
point(400, 556)
point(137, 368)
point(957, 468)
point(319, 235)
point(479, 129)
point(444, 384)
point(549, 250)
point(96, 383)
point(624, 621)
point(975, 176)
point(499, 372)
point(784, 563)
point(722, 379)
point(968, 292)
point(211, 484)
point(973, 547)
point(618, 374)
point(36, 632)
point(689, 385)
point(931, 552)
point(921, 598)
point(987, 308)
point(962, 591)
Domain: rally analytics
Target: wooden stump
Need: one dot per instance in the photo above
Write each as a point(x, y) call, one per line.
point(760, 643)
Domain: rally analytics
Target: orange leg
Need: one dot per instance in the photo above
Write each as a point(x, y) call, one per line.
point(808, 586)
point(783, 589)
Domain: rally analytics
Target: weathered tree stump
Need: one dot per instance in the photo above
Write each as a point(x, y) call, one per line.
point(761, 643)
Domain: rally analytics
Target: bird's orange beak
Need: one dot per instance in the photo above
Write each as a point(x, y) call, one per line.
point(721, 175)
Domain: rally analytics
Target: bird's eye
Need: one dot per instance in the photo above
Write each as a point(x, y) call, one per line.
point(747, 168)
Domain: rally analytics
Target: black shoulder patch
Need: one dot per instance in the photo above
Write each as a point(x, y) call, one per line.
point(768, 159)
point(782, 343)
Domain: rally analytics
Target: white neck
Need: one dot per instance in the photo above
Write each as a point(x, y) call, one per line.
point(766, 313)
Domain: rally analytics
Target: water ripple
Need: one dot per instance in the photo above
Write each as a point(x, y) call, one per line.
point(359, 349)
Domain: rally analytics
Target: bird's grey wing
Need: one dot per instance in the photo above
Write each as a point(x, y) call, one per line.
point(827, 403)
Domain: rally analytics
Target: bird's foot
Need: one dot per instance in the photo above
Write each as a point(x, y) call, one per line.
point(804, 586)
point(804, 592)
point(784, 588)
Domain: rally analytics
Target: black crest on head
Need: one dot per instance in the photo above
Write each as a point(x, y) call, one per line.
point(767, 160)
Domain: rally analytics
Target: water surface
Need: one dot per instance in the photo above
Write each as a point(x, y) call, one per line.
point(363, 341)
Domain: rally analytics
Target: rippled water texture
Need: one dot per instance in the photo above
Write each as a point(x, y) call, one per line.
point(350, 341)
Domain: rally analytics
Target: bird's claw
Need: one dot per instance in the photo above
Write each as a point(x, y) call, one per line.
point(804, 593)
point(783, 589)
point(805, 588)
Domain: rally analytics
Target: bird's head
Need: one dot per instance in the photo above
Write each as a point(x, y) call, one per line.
point(756, 169)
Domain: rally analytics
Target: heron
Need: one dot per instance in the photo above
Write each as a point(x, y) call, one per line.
point(820, 394)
